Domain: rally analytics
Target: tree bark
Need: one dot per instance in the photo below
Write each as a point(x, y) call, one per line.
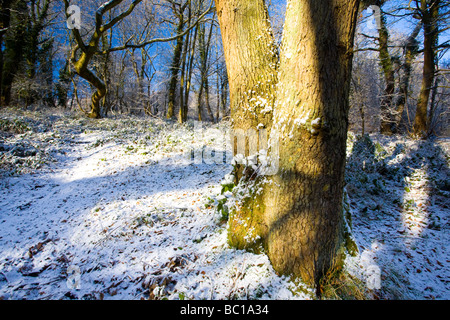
point(296, 214)
point(304, 208)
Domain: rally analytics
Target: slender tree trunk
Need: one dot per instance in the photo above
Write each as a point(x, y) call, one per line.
point(204, 45)
point(81, 63)
point(99, 93)
point(252, 62)
point(429, 13)
point(386, 117)
point(223, 93)
point(296, 214)
point(106, 60)
point(189, 77)
point(208, 47)
point(410, 55)
point(363, 122)
point(207, 100)
point(217, 93)
point(434, 91)
point(81, 68)
point(174, 69)
point(182, 117)
point(199, 103)
point(139, 78)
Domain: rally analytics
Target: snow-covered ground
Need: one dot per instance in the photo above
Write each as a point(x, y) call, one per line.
point(399, 196)
point(117, 209)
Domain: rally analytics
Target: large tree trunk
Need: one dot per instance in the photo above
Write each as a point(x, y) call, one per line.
point(304, 206)
point(5, 18)
point(252, 62)
point(174, 70)
point(296, 214)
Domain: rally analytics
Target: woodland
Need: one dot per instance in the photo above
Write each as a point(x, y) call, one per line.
point(224, 149)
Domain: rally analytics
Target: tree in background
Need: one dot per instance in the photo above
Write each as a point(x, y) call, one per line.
point(428, 10)
point(13, 51)
point(397, 59)
point(410, 51)
point(38, 55)
point(179, 9)
point(5, 19)
point(84, 52)
point(204, 46)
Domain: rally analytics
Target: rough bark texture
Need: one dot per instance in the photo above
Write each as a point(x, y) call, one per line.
point(296, 215)
point(252, 62)
point(304, 205)
point(251, 57)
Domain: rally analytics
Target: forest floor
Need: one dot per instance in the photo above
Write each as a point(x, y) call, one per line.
point(117, 209)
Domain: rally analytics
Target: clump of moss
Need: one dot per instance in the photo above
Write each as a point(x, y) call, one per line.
point(13, 126)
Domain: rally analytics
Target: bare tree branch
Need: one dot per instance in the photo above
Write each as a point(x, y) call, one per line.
point(155, 40)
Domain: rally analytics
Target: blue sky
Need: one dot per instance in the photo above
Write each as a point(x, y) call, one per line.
point(400, 25)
